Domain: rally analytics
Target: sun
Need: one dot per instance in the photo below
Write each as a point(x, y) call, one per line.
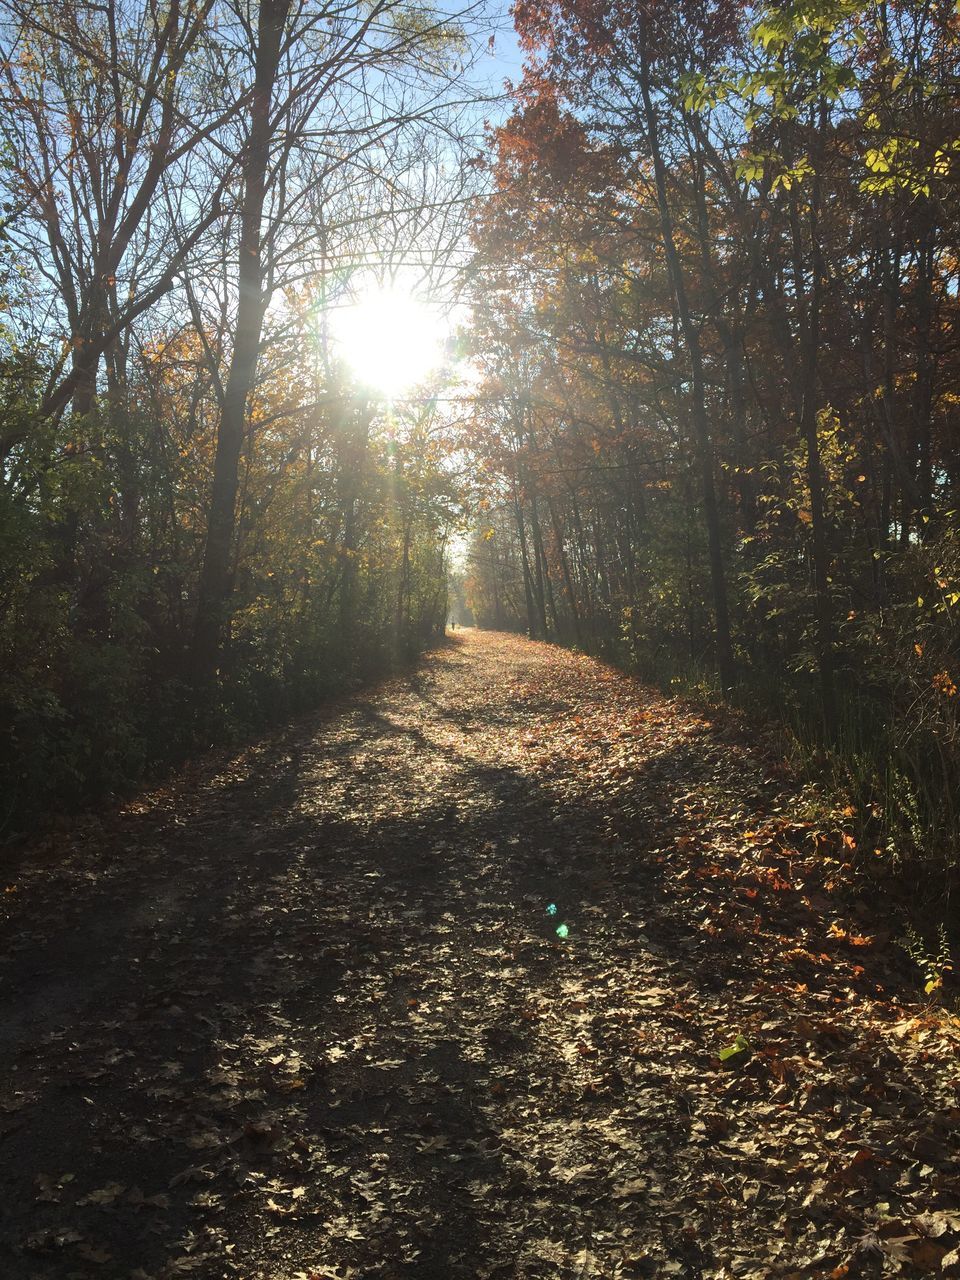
point(390, 339)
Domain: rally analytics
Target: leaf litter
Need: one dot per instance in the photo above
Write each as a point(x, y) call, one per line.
point(509, 967)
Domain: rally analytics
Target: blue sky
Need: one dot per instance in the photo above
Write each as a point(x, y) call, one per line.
point(506, 58)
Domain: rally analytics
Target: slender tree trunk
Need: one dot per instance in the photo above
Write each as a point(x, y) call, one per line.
point(589, 603)
point(924, 385)
point(545, 570)
point(702, 434)
point(565, 569)
point(498, 619)
point(538, 570)
point(403, 590)
point(731, 336)
point(213, 605)
point(525, 564)
point(354, 439)
point(810, 318)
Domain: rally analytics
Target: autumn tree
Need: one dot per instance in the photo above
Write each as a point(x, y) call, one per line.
point(717, 266)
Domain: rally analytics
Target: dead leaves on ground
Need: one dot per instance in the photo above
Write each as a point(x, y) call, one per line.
point(375, 1056)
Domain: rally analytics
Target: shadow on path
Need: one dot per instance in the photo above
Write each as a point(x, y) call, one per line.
point(313, 1018)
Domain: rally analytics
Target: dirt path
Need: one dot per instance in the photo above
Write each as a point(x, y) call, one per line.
point(313, 1013)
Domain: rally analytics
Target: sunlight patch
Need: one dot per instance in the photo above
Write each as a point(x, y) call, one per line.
point(391, 339)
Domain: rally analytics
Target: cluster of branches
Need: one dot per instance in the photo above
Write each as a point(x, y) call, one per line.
point(201, 520)
point(718, 300)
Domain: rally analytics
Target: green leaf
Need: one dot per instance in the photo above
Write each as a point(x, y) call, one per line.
point(740, 1045)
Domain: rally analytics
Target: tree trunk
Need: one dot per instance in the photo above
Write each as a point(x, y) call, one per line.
point(924, 385)
point(525, 563)
point(215, 585)
point(702, 435)
point(810, 315)
point(565, 568)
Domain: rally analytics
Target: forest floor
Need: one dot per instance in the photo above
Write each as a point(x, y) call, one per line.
point(443, 983)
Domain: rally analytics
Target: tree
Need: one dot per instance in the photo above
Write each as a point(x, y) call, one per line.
point(290, 119)
point(104, 108)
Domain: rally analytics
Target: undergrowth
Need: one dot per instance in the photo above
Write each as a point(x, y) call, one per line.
point(882, 776)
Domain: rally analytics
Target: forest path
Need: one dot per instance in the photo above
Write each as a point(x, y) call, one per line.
point(308, 1014)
